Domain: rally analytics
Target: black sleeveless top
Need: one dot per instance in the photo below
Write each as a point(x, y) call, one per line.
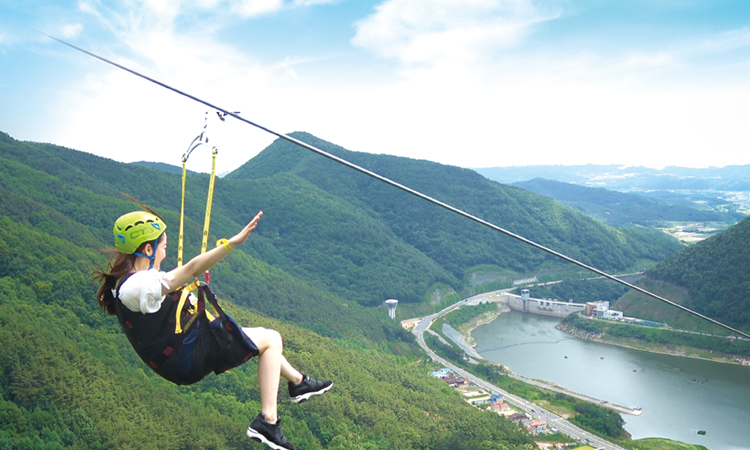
point(203, 347)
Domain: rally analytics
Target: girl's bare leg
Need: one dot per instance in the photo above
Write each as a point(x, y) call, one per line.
point(271, 365)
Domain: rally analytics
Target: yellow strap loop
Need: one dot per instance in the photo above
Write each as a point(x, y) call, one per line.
point(183, 297)
point(209, 204)
point(182, 216)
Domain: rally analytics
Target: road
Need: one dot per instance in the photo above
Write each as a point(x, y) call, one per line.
point(553, 420)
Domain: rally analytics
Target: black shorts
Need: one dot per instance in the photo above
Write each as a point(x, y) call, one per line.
point(215, 346)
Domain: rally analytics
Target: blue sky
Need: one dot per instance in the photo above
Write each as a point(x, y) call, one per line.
point(472, 83)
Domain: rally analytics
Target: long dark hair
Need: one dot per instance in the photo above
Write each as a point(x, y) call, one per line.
point(118, 266)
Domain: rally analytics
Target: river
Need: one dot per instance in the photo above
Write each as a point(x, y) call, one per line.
point(679, 396)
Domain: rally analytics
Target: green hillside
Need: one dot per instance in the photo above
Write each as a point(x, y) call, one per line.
point(74, 196)
point(412, 243)
point(69, 379)
point(713, 276)
point(330, 242)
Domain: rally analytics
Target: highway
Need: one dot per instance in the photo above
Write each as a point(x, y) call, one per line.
point(553, 420)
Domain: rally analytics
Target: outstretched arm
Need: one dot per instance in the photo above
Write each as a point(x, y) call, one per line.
point(198, 265)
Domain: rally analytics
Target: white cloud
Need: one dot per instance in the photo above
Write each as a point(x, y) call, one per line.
point(135, 120)
point(170, 8)
point(252, 8)
point(71, 31)
point(460, 101)
point(725, 41)
point(638, 60)
point(314, 2)
point(436, 31)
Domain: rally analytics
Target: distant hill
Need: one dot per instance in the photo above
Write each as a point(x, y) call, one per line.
point(623, 178)
point(163, 166)
point(362, 236)
point(619, 209)
point(711, 277)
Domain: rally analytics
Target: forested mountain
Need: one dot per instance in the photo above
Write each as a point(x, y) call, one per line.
point(391, 244)
point(331, 241)
point(622, 209)
point(69, 379)
point(714, 275)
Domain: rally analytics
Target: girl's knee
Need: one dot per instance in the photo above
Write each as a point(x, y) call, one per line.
point(265, 338)
point(275, 338)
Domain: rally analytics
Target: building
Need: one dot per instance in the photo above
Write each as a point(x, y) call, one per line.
point(601, 310)
point(499, 407)
point(610, 314)
point(521, 418)
point(454, 381)
point(599, 305)
point(444, 372)
point(537, 426)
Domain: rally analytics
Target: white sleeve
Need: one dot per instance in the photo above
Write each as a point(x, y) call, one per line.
point(142, 291)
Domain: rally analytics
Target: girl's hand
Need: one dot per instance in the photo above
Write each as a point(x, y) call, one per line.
point(242, 236)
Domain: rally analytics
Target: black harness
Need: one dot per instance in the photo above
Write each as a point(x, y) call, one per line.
point(199, 346)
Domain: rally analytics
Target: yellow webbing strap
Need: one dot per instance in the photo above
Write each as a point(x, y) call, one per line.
point(182, 216)
point(209, 203)
point(183, 297)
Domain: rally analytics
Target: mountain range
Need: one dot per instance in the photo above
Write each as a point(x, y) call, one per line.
point(389, 244)
point(332, 245)
point(619, 209)
point(625, 177)
point(70, 380)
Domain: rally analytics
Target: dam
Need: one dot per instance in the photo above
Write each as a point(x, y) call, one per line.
point(544, 307)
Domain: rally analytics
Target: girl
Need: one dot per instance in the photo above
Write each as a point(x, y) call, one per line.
point(135, 289)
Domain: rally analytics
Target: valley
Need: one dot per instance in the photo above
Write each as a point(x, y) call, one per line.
point(332, 245)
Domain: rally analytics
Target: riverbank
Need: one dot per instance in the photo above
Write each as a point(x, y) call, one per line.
point(673, 350)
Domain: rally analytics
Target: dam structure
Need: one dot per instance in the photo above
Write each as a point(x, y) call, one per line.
point(544, 307)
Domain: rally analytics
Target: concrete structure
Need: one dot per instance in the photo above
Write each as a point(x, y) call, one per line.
point(544, 307)
point(391, 304)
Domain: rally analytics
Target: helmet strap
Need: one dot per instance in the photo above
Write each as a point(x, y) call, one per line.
point(154, 244)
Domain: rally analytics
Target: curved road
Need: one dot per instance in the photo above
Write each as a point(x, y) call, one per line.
point(553, 420)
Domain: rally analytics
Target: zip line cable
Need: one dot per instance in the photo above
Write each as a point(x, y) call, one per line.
point(406, 189)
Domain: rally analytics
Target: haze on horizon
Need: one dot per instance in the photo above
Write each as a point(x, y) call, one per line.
point(479, 83)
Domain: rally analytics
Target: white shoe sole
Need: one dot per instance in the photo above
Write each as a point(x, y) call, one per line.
point(305, 397)
point(262, 439)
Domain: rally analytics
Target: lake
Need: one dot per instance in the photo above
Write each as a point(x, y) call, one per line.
point(679, 396)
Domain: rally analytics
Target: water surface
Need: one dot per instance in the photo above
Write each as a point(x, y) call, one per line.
point(679, 396)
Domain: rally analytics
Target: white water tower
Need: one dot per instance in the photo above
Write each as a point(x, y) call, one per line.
point(391, 304)
point(524, 294)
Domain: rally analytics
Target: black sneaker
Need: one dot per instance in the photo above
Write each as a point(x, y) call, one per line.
point(268, 433)
point(307, 388)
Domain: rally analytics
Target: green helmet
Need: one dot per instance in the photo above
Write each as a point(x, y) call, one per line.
point(133, 229)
